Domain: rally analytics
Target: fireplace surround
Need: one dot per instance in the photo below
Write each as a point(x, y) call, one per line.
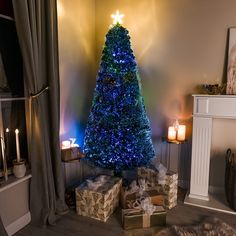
point(207, 108)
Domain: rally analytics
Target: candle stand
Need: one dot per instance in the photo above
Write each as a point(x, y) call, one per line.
point(173, 157)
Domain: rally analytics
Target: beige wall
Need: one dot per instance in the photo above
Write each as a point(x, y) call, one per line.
point(76, 24)
point(178, 44)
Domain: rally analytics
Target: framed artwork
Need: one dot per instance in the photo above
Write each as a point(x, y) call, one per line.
point(231, 68)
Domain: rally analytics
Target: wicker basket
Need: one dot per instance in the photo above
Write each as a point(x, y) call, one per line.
point(230, 179)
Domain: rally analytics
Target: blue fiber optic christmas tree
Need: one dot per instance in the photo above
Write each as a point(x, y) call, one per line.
point(118, 134)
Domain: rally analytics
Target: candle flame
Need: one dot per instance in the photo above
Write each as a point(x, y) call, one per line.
point(17, 131)
point(7, 130)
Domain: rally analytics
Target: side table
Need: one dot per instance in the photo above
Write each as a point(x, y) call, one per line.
point(176, 157)
point(72, 168)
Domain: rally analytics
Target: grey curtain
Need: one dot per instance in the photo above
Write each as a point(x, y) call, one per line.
point(36, 24)
point(2, 229)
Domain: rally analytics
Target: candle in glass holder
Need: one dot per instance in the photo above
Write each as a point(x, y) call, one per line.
point(171, 133)
point(181, 133)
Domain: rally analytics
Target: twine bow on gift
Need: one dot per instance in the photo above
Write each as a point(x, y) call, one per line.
point(98, 182)
point(141, 187)
point(147, 206)
point(161, 178)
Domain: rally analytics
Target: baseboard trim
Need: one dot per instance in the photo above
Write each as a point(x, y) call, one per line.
point(18, 224)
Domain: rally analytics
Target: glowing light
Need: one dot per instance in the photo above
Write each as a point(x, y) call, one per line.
point(60, 10)
point(65, 144)
point(117, 18)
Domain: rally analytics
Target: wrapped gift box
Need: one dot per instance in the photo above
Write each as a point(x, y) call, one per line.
point(169, 190)
point(168, 201)
point(132, 218)
point(128, 199)
point(70, 154)
point(152, 176)
point(100, 203)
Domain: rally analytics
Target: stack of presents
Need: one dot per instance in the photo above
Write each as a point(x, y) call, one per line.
point(144, 201)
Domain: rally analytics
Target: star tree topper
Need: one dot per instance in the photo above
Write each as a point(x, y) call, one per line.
point(117, 18)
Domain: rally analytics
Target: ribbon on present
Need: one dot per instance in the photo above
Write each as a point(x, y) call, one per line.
point(141, 187)
point(146, 209)
point(145, 204)
point(97, 183)
point(161, 177)
point(162, 174)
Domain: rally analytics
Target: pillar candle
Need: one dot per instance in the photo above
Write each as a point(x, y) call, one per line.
point(181, 133)
point(17, 146)
point(171, 133)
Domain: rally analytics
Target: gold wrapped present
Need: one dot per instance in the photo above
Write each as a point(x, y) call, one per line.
point(132, 218)
point(98, 199)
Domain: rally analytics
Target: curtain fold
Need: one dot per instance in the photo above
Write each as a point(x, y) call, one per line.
point(2, 229)
point(36, 24)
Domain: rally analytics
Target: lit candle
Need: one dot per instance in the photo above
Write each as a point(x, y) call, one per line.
point(181, 133)
point(65, 144)
point(171, 133)
point(7, 142)
point(4, 159)
point(17, 146)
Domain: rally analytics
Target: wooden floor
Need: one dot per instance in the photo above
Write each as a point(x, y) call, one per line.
point(72, 224)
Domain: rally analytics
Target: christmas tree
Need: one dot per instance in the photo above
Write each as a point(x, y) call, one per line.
point(118, 134)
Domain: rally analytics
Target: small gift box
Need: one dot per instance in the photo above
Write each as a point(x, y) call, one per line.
point(71, 154)
point(137, 218)
point(97, 198)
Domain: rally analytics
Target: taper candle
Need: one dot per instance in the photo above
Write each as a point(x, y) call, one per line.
point(17, 146)
point(5, 172)
point(7, 143)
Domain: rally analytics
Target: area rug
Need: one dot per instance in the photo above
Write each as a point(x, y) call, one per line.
point(209, 227)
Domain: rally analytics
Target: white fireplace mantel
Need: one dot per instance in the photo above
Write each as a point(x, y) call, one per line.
point(206, 108)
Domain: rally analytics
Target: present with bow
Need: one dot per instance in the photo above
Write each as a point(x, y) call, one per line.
point(137, 189)
point(144, 215)
point(163, 181)
point(164, 195)
point(98, 197)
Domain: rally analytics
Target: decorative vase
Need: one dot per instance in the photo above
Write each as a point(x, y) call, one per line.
point(19, 168)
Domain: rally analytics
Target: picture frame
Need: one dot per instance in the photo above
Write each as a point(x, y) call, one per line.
point(231, 66)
